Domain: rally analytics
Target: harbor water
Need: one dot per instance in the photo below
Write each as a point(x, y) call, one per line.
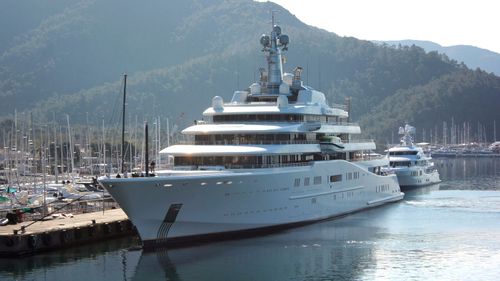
point(448, 231)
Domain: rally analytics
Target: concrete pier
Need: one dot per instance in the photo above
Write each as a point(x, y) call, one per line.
point(21, 239)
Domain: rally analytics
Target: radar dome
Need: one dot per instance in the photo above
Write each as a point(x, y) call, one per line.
point(288, 78)
point(265, 40)
point(255, 89)
point(217, 103)
point(284, 40)
point(277, 29)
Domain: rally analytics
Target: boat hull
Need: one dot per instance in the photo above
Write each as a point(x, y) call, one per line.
point(417, 177)
point(186, 207)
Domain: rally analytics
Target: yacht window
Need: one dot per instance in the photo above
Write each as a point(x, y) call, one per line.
point(335, 178)
point(401, 164)
point(403, 153)
point(306, 181)
point(258, 117)
point(317, 180)
point(296, 183)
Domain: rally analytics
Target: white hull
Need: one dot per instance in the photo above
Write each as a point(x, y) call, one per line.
point(417, 176)
point(250, 199)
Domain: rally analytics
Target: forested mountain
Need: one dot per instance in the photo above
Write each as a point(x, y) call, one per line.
point(67, 57)
point(473, 57)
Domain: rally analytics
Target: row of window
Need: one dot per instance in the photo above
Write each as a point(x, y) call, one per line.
point(352, 175)
point(416, 173)
point(256, 138)
point(382, 188)
point(316, 181)
point(333, 178)
point(234, 162)
point(407, 163)
point(277, 118)
point(403, 153)
point(300, 138)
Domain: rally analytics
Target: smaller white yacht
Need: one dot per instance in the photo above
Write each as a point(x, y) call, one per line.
point(412, 166)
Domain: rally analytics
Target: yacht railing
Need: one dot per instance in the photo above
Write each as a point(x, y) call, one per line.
point(248, 142)
point(273, 103)
point(360, 141)
point(276, 165)
point(230, 166)
point(264, 121)
point(265, 142)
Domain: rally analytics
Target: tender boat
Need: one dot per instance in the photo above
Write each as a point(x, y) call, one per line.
point(276, 155)
point(412, 166)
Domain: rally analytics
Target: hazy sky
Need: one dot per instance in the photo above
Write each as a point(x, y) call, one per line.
point(446, 22)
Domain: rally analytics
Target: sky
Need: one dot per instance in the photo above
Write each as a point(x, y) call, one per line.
point(446, 22)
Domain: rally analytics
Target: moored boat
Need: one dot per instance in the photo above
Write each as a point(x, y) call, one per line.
point(408, 160)
point(265, 160)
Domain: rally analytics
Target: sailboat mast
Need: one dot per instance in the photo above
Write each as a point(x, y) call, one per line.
point(123, 121)
point(70, 139)
point(146, 147)
point(56, 168)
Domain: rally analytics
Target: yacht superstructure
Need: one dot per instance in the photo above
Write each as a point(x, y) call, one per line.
point(275, 155)
point(412, 166)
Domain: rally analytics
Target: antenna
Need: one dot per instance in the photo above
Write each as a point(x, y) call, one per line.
point(272, 18)
point(272, 45)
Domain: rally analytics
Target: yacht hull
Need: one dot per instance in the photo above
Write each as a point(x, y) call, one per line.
point(418, 178)
point(186, 207)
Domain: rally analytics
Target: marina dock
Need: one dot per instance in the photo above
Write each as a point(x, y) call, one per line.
point(32, 237)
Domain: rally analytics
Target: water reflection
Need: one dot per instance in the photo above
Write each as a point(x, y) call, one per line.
point(325, 251)
point(88, 262)
point(459, 169)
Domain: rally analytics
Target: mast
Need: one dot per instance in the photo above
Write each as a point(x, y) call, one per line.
point(70, 145)
point(123, 122)
point(62, 149)
point(56, 168)
point(273, 44)
point(494, 130)
point(158, 157)
point(146, 148)
point(44, 172)
point(104, 148)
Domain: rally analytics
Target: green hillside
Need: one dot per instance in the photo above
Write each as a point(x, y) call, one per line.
point(69, 58)
point(473, 57)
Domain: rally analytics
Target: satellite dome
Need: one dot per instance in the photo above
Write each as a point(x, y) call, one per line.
point(277, 29)
point(265, 40)
point(255, 89)
point(288, 78)
point(284, 40)
point(217, 103)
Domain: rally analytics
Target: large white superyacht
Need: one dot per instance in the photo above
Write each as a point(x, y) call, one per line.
point(276, 155)
point(412, 166)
